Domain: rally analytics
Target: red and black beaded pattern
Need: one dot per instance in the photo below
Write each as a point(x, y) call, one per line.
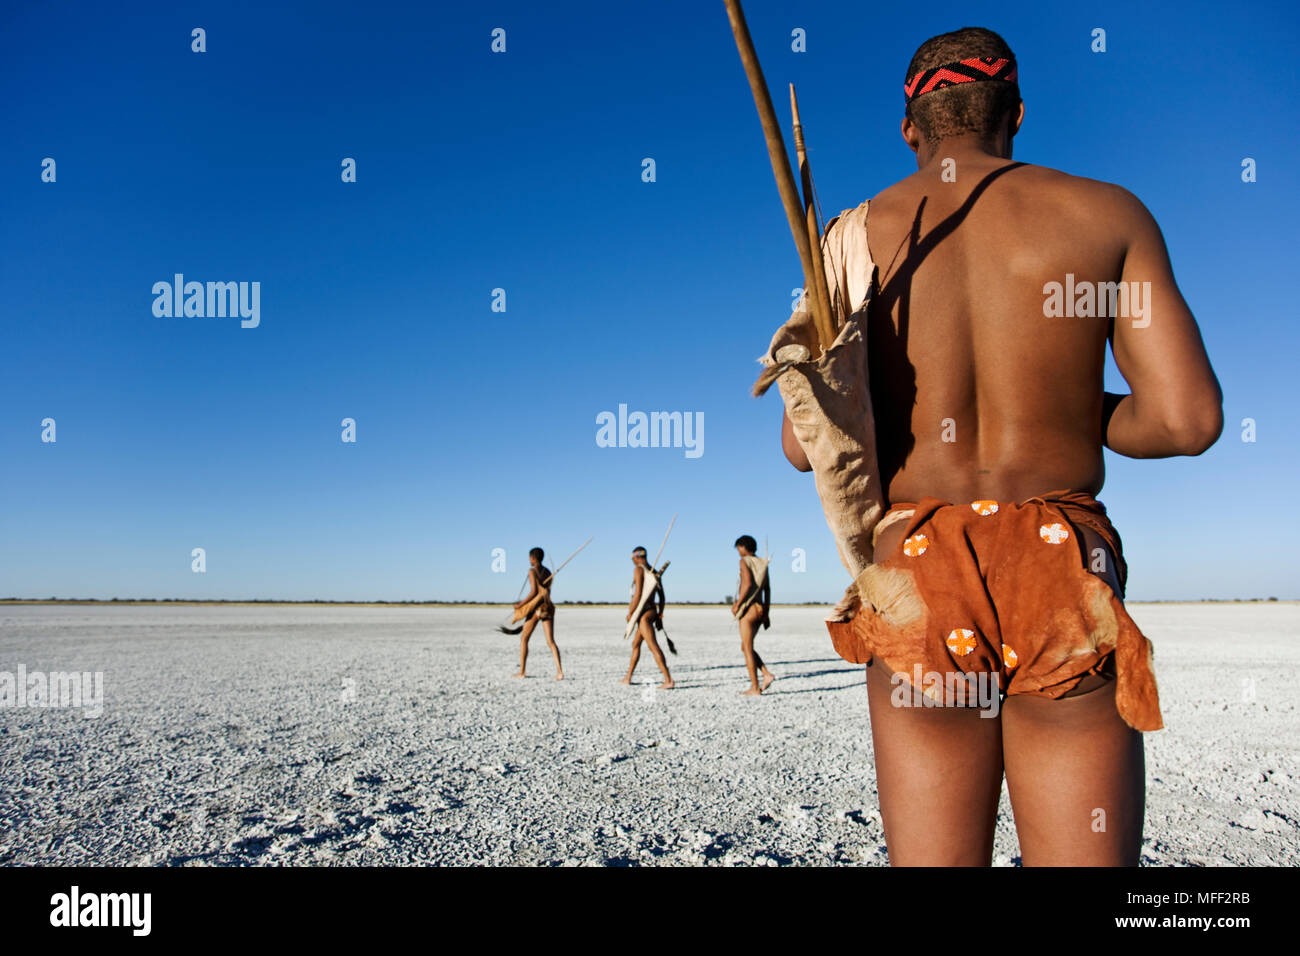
point(963, 71)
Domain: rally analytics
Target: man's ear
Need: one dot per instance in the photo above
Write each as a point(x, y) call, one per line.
point(911, 135)
point(1020, 118)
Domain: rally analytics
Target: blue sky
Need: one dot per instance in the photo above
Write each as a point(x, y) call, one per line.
point(522, 171)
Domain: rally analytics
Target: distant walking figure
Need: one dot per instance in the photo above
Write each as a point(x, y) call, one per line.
point(539, 578)
point(750, 609)
point(650, 616)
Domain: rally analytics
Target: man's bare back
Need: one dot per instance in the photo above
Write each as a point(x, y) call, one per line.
point(978, 394)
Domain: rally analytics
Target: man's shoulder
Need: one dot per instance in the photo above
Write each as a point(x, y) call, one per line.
point(1079, 187)
point(1048, 187)
point(1090, 203)
point(1026, 175)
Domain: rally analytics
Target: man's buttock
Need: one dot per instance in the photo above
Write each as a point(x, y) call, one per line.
point(1027, 593)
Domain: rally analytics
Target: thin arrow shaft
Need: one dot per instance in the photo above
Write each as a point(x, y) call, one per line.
point(820, 291)
point(665, 543)
point(780, 160)
point(566, 561)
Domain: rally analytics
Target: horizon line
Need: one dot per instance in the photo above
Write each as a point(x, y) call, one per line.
point(478, 603)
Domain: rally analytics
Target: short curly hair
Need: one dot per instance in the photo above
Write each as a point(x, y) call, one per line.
point(963, 107)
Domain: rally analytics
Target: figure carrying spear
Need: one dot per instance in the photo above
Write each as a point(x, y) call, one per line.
point(536, 607)
point(543, 611)
point(645, 612)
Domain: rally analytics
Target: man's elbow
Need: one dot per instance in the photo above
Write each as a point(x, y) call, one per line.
point(795, 455)
point(794, 452)
point(1198, 426)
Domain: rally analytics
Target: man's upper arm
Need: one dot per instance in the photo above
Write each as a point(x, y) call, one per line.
point(794, 452)
point(1156, 342)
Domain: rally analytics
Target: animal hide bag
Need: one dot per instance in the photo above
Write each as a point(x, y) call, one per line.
point(758, 571)
point(827, 398)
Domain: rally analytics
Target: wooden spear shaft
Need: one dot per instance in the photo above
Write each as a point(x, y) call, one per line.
point(819, 289)
point(552, 575)
point(665, 542)
point(542, 589)
point(781, 170)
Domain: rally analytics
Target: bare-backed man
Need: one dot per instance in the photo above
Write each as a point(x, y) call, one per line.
point(999, 286)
